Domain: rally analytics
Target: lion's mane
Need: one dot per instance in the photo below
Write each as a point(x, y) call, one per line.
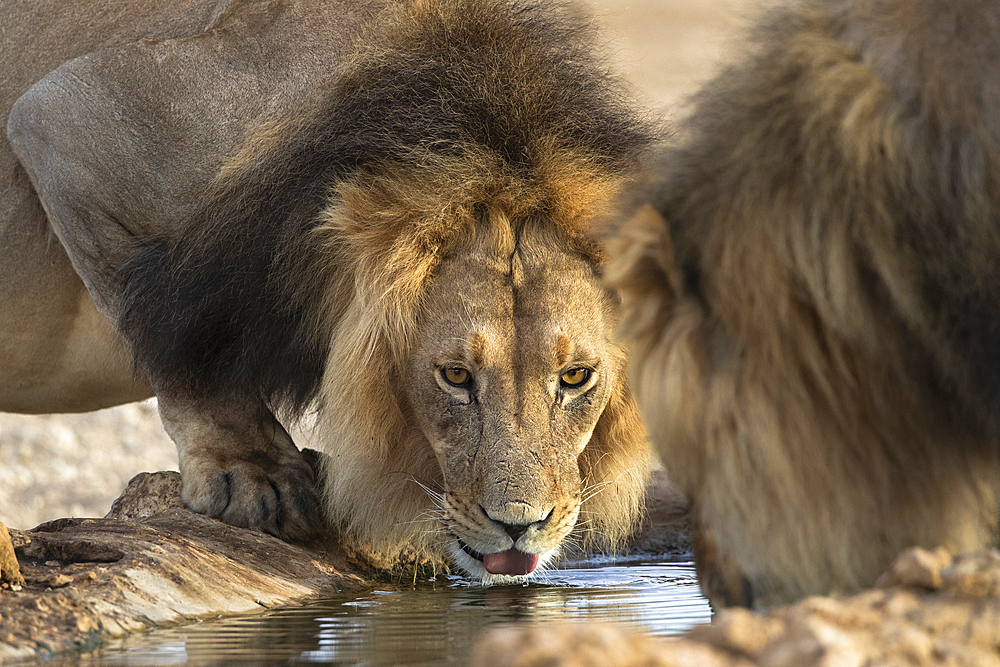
point(812, 285)
point(299, 284)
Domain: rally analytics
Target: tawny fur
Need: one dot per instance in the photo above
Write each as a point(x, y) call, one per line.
point(391, 233)
point(451, 115)
point(812, 287)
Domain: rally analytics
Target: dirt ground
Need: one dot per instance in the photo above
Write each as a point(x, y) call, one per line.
point(75, 465)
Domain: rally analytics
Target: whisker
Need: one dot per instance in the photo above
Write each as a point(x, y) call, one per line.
point(594, 466)
point(592, 490)
point(428, 519)
point(434, 511)
point(437, 497)
point(573, 544)
point(436, 531)
point(595, 491)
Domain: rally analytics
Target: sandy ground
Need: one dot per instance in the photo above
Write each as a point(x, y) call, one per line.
point(75, 465)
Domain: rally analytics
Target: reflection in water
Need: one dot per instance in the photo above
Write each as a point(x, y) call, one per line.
point(430, 624)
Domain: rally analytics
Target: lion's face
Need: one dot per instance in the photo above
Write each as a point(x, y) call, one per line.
point(513, 368)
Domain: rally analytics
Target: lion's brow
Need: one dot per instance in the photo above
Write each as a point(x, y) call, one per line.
point(477, 347)
point(564, 348)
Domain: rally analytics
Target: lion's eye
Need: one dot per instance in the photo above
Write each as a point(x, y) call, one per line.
point(456, 376)
point(574, 377)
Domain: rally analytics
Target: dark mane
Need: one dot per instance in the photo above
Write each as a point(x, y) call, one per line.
point(238, 304)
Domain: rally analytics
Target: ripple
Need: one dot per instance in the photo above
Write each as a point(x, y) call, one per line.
point(432, 623)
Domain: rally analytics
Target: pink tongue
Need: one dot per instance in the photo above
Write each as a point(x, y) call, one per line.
point(511, 561)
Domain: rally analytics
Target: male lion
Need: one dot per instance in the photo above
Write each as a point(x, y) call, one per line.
point(380, 211)
point(812, 284)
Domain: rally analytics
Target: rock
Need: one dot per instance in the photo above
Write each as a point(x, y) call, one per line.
point(10, 573)
point(88, 579)
point(591, 645)
point(974, 575)
point(930, 610)
point(56, 581)
point(917, 568)
point(739, 631)
point(146, 495)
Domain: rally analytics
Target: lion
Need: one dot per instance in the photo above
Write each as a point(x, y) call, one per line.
point(811, 283)
point(376, 215)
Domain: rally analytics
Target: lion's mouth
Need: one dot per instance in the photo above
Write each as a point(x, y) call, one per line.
point(512, 562)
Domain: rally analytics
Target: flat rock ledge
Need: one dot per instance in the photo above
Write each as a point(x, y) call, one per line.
point(930, 608)
point(149, 562)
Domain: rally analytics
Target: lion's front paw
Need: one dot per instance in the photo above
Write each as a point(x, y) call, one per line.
point(238, 464)
point(274, 497)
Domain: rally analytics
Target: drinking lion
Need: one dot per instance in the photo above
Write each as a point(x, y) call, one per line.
point(380, 212)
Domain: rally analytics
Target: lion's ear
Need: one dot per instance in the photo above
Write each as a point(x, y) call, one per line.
point(615, 468)
point(644, 272)
point(644, 256)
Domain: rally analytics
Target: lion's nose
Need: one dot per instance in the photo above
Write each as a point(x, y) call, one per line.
point(518, 525)
point(514, 530)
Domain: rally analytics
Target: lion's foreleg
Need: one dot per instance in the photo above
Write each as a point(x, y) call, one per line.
point(239, 464)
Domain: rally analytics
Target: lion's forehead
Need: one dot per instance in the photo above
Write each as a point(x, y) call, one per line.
point(494, 322)
point(490, 342)
point(557, 288)
point(517, 298)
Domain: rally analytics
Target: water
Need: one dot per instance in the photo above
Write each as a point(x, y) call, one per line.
point(432, 623)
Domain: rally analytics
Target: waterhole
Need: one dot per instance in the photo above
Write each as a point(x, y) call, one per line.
point(429, 623)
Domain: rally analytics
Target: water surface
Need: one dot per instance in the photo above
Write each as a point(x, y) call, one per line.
point(430, 623)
